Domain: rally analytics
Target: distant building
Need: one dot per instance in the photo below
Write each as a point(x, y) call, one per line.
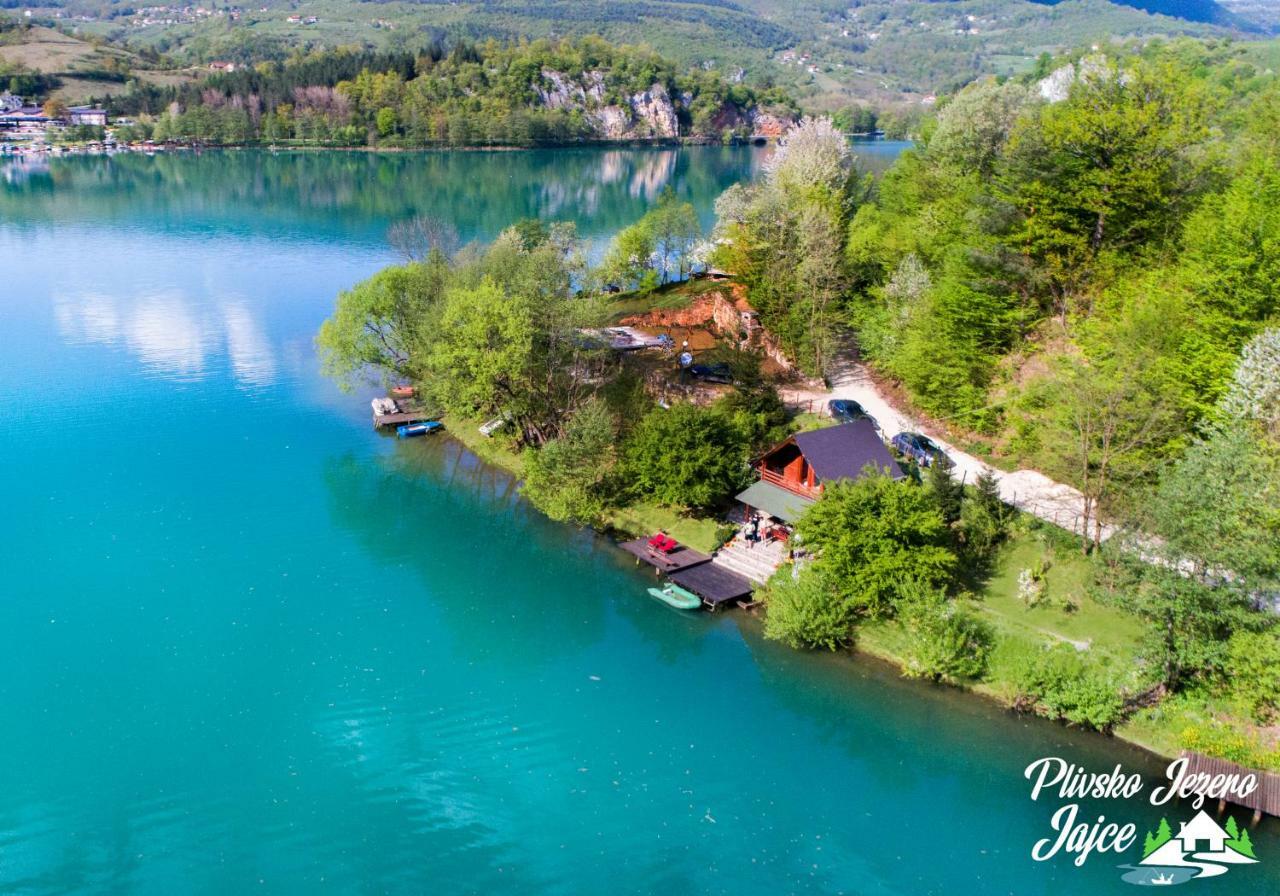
point(222, 66)
point(87, 116)
point(9, 102)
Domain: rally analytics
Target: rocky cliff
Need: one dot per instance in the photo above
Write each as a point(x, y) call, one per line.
point(649, 114)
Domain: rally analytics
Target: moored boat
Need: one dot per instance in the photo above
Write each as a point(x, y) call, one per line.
point(408, 430)
point(675, 596)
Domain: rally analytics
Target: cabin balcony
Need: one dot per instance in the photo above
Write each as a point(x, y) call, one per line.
point(790, 484)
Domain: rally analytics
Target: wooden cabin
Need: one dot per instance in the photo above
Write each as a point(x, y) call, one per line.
point(792, 474)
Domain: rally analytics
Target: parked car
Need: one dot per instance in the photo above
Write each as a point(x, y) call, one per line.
point(921, 449)
point(711, 373)
point(846, 410)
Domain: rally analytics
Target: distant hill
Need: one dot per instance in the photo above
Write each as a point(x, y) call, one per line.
point(828, 53)
point(1207, 12)
point(41, 62)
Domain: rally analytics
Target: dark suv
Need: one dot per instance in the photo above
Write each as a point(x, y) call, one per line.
point(921, 449)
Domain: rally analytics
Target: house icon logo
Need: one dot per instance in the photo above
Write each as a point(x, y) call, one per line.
point(1201, 848)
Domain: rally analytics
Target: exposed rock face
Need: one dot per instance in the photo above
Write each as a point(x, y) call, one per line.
point(769, 125)
point(652, 114)
point(655, 112)
point(1057, 86)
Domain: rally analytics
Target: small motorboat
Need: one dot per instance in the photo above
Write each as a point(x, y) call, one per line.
point(402, 392)
point(409, 430)
point(675, 596)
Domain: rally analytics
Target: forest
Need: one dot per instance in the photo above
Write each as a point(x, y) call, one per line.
point(1077, 274)
point(518, 94)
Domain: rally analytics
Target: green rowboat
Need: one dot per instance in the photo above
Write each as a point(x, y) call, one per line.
point(675, 596)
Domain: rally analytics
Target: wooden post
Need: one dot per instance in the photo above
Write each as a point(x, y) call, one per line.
point(1222, 807)
point(1257, 817)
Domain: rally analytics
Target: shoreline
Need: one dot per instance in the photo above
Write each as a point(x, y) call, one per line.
point(865, 649)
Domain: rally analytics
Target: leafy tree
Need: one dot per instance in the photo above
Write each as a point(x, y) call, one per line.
point(806, 610)
point(375, 324)
point(568, 478)
point(784, 238)
point(872, 534)
point(686, 456)
point(507, 335)
point(1253, 671)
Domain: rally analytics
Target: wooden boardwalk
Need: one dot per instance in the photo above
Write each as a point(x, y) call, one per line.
point(715, 584)
point(1263, 801)
point(681, 558)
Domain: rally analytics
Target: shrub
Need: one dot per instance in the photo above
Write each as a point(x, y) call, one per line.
point(804, 609)
point(1214, 738)
point(1063, 683)
point(945, 643)
point(1253, 672)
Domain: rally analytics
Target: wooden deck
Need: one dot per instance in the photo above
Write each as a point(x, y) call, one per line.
point(681, 558)
point(714, 584)
point(1263, 801)
point(410, 412)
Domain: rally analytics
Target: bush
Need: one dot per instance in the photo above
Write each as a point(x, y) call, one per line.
point(686, 456)
point(1063, 683)
point(804, 609)
point(944, 642)
point(1253, 672)
point(1215, 738)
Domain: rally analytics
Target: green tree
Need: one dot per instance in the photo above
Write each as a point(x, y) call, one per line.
point(375, 324)
point(686, 456)
point(568, 478)
point(872, 534)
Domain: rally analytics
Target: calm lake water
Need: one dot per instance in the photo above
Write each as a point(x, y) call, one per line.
point(251, 645)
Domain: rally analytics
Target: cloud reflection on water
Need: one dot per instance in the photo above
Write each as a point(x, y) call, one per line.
point(172, 335)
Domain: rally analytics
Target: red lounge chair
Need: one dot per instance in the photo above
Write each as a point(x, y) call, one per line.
point(668, 545)
point(657, 541)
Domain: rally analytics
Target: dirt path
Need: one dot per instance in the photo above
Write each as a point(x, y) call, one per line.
point(1028, 490)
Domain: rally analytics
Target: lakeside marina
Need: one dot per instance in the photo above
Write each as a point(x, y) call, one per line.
point(323, 562)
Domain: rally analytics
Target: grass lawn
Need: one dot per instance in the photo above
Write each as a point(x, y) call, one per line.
point(1089, 625)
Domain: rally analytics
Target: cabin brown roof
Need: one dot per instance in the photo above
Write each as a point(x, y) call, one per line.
point(843, 452)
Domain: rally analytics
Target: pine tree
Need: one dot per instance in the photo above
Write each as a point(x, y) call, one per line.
point(1148, 845)
point(1244, 845)
point(1232, 830)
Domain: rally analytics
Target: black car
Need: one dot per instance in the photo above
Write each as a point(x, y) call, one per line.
point(711, 373)
point(921, 449)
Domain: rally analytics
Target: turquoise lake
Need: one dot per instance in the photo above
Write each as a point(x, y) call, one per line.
point(249, 645)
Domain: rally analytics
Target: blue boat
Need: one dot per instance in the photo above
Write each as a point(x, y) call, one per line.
point(409, 430)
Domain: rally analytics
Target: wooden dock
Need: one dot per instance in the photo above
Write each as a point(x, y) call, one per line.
point(681, 558)
point(406, 412)
point(1263, 801)
point(715, 584)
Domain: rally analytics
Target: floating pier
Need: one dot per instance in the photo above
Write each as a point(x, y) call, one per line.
point(393, 412)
